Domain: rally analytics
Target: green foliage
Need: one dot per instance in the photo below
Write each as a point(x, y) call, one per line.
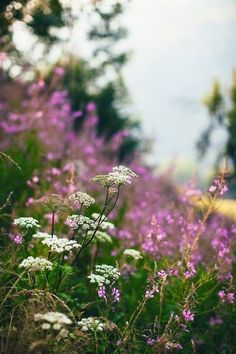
point(39, 16)
point(13, 176)
point(222, 111)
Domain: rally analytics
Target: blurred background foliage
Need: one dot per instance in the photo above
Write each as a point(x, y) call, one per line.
point(100, 82)
point(222, 113)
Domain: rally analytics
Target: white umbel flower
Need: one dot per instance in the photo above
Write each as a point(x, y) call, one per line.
point(41, 235)
point(125, 171)
point(106, 275)
point(54, 320)
point(82, 198)
point(76, 221)
point(60, 245)
point(133, 253)
point(120, 175)
point(92, 324)
point(53, 317)
point(101, 237)
point(34, 264)
point(26, 222)
point(116, 178)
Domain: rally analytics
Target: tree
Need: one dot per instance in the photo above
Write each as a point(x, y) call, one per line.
point(101, 82)
point(39, 16)
point(222, 113)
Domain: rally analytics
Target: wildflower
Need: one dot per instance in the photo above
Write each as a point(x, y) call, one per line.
point(53, 317)
point(26, 222)
point(59, 70)
point(41, 235)
point(102, 292)
point(101, 237)
point(218, 186)
point(212, 189)
point(116, 294)
point(34, 264)
point(75, 221)
point(133, 253)
point(46, 326)
point(106, 275)
point(151, 292)
point(125, 171)
point(60, 245)
point(162, 274)
point(107, 225)
point(120, 175)
point(171, 346)
point(54, 320)
point(230, 298)
point(190, 272)
point(96, 278)
point(150, 341)
point(222, 295)
point(214, 321)
point(53, 203)
point(82, 198)
point(226, 297)
point(92, 324)
point(188, 315)
point(18, 239)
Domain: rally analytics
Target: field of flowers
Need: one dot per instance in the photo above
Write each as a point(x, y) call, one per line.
point(99, 256)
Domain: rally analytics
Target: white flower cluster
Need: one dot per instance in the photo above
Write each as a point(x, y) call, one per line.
point(106, 275)
point(60, 245)
point(54, 320)
point(133, 253)
point(76, 221)
point(41, 235)
point(26, 222)
point(125, 171)
point(33, 264)
point(92, 324)
point(120, 175)
point(82, 198)
point(101, 236)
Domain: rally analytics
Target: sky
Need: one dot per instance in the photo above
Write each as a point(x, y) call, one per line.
point(179, 47)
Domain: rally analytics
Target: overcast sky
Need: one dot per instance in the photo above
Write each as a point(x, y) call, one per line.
point(179, 47)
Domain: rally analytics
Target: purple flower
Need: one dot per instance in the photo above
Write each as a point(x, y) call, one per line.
point(58, 70)
point(91, 107)
point(18, 239)
point(188, 315)
point(226, 297)
point(162, 274)
point(212, 189)
point(116, 294)
point(150, 293)
point(191, 271)
point(150, 341)
point(214, 321)
point(222, 295)
point(230, 298)
point(102, 292)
